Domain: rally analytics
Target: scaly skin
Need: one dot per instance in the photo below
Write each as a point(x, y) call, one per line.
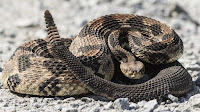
point(46, 67)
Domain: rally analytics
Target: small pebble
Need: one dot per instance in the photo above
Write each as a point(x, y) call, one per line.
point(69, 110)
point(162, 109)
point(97, 109)
point(150, 105)
point(193, 67)
point(5, 105)
point(69, 99)
point(108, 105)
point(86, 99)
point(133, 106)
point(74, 105)
point(121, 104)
point(33, 100)
point(173, 98)
point(194, 101)
point(141, 103)
point(84, 23)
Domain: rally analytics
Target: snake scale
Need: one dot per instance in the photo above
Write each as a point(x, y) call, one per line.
point(57, 66)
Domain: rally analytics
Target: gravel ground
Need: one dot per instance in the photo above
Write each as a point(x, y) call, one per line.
point(22, 20)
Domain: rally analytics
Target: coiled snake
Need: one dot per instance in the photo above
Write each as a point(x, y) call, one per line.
point(56, 66)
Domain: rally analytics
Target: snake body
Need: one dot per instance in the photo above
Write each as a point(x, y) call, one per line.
point(56, 66)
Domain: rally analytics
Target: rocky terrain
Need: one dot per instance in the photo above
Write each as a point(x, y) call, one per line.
point(22, 21)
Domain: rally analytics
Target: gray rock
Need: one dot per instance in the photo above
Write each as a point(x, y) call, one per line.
point(58, 107)
point(193, 67)
point(142, 103)
point(172, 98)
point(33, 111)
point(69, 99)
point(150, 105)
point(74, 105)
point(5, 104)
point(127, 111)
point(86, 99)
point(133, 106)
point(37, 105)
point(174, 104)
point(69, 110)
point(195, 101)
point(182, 110)
point(33, 100)
point(121, 104)
point(96, 109)
point(108, 105)
point(162, 108)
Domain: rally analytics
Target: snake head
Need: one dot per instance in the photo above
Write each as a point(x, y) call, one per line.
point(133, 69)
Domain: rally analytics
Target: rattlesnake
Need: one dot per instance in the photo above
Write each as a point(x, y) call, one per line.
point(56, 66)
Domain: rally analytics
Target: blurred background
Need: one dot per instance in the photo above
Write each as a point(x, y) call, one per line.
point(22, 20)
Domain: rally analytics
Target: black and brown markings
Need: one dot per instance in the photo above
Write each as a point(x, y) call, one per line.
point(102, 27)
point(87, 49)
point(56, 69)
point(127, 25)
point(162, 57)
point(137, 24)
point(24, 62)
point(40, 48)
point(51, 85)
point(36, 47)
point(93, 63)
point(166, 82)
point(13, 81)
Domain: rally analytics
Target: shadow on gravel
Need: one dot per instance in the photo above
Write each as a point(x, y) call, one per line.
point(197, 82)
point(84, 98)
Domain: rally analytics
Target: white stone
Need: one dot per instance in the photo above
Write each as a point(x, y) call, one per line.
point(195, 101)
point(150, 105)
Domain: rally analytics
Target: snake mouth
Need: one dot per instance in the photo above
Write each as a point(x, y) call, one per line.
point(133, 74)
point(136, 75)
point(133, 69)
